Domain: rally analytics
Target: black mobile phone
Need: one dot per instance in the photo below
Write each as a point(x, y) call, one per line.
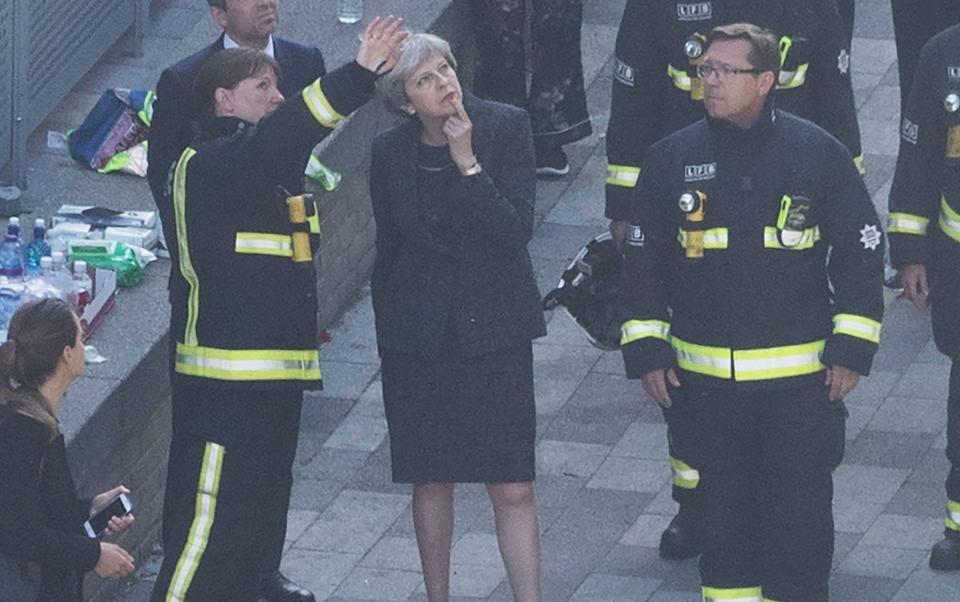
point(120, 506)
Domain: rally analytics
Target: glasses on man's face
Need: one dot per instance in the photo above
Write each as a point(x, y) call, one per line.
point(705, 70)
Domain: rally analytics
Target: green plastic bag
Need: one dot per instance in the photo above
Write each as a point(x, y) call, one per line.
point(123, 259)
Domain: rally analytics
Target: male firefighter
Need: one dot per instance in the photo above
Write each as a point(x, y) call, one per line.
point(924, 232)
point(657, 91)
point(245, 321)
point(745, 327)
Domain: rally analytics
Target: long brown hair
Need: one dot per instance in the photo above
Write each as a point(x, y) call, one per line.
point(39, 331)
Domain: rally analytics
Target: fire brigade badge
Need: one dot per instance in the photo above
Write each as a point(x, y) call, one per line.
point(953, 73)
point(870, 236)
point(843, 61)
point(952, 102)
point(636, 238)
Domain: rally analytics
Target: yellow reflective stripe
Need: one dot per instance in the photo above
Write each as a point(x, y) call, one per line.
point(714, 238)
point(199, 535)
point(680, 78)
point(314, 220)
point(857, 326)
point(634, 330)
point(183, 245)
point(953, 515)
point(702, 359)
point(622, 175)
point(777, 362)
point(320, 107)
point(789, 80)
point(811, 236)
point(684, 475)
point(248, 364)
point(907, 223)
point(262, 243)
point(858, 163)
point(949, 220)
point(736, 594)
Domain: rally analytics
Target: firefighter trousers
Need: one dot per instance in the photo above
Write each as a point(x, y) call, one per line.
point(765, 461)
point(557, 101)
point(228, 491)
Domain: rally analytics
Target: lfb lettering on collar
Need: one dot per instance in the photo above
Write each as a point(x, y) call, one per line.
point(698, 173)
point(695, 11)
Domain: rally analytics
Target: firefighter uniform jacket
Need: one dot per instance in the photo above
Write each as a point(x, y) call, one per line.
point(924, 222)
point(248, 313)
point(656, 91)
point(727, 271)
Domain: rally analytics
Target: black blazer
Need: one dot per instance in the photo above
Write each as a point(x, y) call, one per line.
point(41, 517)
point(483, 284)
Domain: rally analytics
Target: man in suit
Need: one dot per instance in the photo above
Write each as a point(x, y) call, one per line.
point(177, 113)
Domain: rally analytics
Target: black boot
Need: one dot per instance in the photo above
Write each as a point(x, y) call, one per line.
point(277, 588)
point(945, 555)
point(681, 538)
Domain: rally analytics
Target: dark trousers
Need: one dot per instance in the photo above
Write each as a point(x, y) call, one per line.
point(765, 462)
point(914, 23)
point(557, 101)
point(228, 491)
point(846, 8)
point(953, 452)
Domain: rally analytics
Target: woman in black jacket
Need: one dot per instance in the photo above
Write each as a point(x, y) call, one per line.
point(43, 549)
point(457, 307)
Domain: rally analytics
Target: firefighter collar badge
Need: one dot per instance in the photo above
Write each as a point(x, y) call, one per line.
point(693, 47)
point(953, 73)
point(952, 102)
point(870, 237)
point(636, 238)
point(695, 11)
point(843, 61)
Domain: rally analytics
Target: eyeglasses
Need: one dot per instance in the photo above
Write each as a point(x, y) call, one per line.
point(705, 70)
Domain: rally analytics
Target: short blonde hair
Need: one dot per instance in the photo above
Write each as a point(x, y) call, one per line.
point(416, 49)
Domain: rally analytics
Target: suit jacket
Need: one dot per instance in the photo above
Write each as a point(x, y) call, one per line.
point(178, 110)
point(481, 285)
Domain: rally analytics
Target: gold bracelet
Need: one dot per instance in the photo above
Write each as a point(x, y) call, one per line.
point(472, 170)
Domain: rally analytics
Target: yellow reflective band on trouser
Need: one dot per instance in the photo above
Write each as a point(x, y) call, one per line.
point(953, 515)
point(778, 362)
point(735, 594)
point(199, 533)
point(714, 238)
point(248, 364)
point(684, 475)
point(789, 80)
point(949, 220)
point(907, 223)
point(711, 361)
point(622, 175)
point(320, 107)
point(771, 239)
point(261, 243)
point(634, 330)
point(857, 326)
point(680, 77)
point(183, 246)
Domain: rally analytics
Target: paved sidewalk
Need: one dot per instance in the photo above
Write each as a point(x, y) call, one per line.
point(603, 480)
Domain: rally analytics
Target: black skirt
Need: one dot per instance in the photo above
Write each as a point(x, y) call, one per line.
point(455, 419)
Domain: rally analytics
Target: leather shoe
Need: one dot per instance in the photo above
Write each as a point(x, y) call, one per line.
point(277, 588)
point(681, 538)
point(945, 555)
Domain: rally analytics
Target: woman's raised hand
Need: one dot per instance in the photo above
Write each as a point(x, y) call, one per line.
point(380, 44)
point(459, 132)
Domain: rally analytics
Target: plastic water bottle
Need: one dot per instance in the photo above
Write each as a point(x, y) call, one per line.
point(349, 11)
point(38, 247)
point(9, 304)
point(59, 277)
point(11, 251)
point(81, 293)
